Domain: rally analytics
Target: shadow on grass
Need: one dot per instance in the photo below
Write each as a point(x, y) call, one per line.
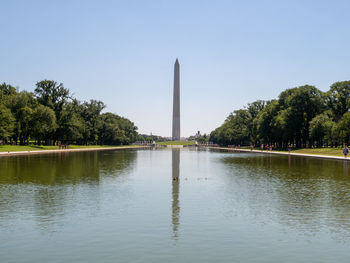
point(37, 146)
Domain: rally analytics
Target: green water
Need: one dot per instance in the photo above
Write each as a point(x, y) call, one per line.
point(124, 206)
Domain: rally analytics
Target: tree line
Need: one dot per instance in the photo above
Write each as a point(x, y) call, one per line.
point(51, 115)
point(303, 116)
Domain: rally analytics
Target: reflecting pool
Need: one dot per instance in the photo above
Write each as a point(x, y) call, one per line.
point(180, 205)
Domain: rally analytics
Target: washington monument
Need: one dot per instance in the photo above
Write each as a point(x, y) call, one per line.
point(176, 102)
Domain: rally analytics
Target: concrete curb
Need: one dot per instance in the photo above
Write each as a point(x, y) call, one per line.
point(282, 153)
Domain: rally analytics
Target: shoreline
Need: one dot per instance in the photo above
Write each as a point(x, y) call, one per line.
point(282, 153)
point(55, 151)
point(21, 153)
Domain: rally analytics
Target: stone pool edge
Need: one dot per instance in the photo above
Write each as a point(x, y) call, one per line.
point(282, 153)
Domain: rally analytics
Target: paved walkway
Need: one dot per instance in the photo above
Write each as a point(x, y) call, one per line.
point(3, 154)
point(283, 153)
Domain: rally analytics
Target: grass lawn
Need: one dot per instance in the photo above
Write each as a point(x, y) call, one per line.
point(316, 151)
point(177, 143)
point(321, 151)
point(18, 148)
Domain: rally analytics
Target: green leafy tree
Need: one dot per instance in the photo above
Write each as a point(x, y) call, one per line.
point(321, 129)
point(53, 95)
point(7, 120)
point(110, 132)
point(202, 139)
point(7, 123)
point(342, 129)
point(43, 123)
point(265, 122)
point(254, 109)
point(338, 99)
point(115, 130)
point(21, 106)
point(235, 129)
point(91, 115)
point(301, 104)
point(72, 125)
point(7, 90)
point(129, 130)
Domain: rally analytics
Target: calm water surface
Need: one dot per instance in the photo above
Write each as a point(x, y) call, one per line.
point(123, 206)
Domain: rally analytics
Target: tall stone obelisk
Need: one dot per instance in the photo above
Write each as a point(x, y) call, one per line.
point(176, 102)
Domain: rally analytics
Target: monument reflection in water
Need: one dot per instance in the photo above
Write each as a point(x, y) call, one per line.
point(175, 191)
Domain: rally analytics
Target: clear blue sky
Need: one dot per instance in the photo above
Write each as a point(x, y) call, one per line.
point(122, 52)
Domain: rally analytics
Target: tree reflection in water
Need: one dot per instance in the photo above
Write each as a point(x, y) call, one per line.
point(46, 183)
point(304, 193)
